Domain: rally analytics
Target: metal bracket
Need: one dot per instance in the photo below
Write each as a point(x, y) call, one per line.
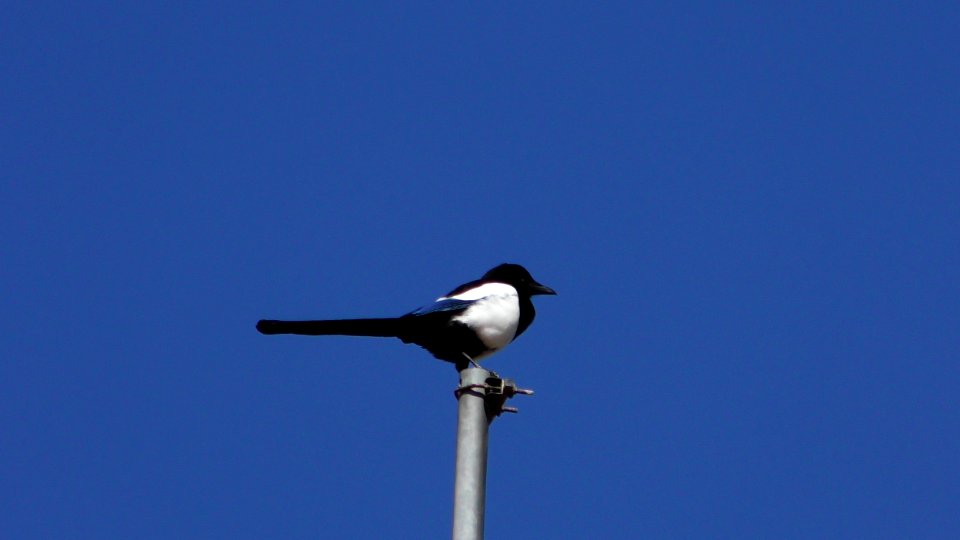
point(496, 392)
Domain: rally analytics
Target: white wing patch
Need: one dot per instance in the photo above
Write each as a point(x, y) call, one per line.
point(495, 314)
point(487, 289)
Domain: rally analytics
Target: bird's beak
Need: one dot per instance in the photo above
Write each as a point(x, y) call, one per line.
point(536, 288)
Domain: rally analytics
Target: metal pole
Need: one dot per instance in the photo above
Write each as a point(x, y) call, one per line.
point(471, 482)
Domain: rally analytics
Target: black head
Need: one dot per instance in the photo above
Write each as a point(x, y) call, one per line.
point(518, 277)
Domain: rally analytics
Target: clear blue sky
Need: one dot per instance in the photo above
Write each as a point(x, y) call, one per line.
point(751, 214)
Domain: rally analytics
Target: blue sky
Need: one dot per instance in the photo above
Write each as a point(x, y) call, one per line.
point(751, 214)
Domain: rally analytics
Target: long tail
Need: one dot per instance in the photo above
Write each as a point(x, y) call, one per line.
point(342, 327)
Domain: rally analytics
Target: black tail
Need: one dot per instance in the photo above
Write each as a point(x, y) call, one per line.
point(343, 327)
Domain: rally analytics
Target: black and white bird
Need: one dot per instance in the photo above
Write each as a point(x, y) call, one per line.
point(465, 325)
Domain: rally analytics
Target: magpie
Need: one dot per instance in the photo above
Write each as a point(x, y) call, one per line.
point(465, 325)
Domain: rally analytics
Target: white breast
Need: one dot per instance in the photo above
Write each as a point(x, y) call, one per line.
point(495, 315)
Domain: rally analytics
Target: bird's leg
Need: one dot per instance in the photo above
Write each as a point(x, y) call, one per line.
point(475, 364)
point(469, 359)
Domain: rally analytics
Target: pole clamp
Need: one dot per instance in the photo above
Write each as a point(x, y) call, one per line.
point(496, 392)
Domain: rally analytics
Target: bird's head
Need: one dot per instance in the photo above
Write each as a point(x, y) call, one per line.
point(518, 277)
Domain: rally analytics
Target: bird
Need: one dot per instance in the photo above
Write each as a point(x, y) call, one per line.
point(462, 327)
